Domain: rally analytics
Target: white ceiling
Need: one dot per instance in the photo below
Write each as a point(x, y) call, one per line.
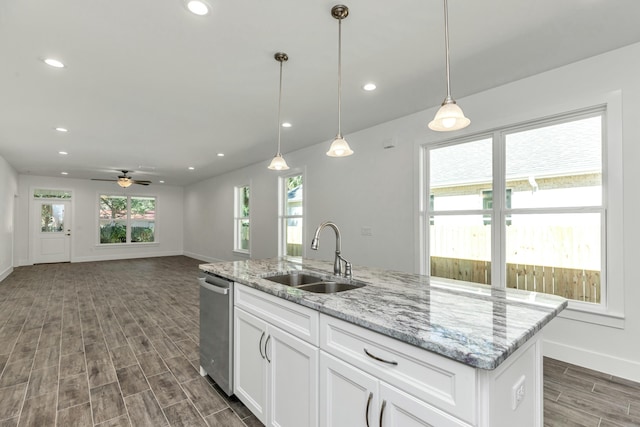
point(152, 88)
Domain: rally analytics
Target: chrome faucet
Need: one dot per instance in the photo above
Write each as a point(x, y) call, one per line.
point(337, 263)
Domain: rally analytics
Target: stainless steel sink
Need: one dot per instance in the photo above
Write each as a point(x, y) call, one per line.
point(313, 283)
point(295, 279)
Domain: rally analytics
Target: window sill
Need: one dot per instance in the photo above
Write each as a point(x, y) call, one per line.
point(125, 245)
point(595, 315)
point(242, 253)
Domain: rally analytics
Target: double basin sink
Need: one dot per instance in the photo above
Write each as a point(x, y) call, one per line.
point(315, 283)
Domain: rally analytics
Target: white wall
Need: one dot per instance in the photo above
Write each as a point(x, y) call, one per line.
point(8, 190)
point(379, 188)
point(169, 221)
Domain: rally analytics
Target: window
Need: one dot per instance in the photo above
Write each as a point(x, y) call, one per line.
point(241, 219)
point(127, 219)
point(546, 233)
point(291, 216)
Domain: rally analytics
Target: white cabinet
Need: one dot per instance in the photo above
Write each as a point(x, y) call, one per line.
point(349, 397)
point(275, 372)
point(250, 373)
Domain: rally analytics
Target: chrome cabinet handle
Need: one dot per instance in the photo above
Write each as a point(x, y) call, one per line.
point(384, 403)
point(260, 345)
point(366, 414)
point(265, 348)
point(390, 362)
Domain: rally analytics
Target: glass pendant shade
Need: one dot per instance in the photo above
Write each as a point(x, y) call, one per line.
point(124, 182)
point(278, 163)
point(449, 117)
point(339, 148)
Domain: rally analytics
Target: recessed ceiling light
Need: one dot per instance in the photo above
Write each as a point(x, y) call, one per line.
point(191, 168)
point(53, 63)
point(64, 153)
point(198, 7)
point(161, 182)
point(369, 87)
point(286, 125)
point(62, 129)
point(64, 173)
point(220, 154)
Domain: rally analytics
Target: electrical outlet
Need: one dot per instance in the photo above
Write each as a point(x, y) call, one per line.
point(519, 391)
point(366, 230)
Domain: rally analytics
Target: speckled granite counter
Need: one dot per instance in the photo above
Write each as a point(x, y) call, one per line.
point(475, 325)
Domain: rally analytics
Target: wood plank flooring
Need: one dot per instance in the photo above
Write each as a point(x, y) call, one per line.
point(115, 343)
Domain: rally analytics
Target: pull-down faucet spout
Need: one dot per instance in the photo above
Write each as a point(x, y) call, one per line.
point(337, 263)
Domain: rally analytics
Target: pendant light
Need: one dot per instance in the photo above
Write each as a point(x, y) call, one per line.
point(278, 162)
point(450, 116)
point(339, 146)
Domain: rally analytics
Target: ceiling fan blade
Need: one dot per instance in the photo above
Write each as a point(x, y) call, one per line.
point(141, 182)
point(98, 179)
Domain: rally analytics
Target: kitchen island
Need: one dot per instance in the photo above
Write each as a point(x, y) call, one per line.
point(454, 354)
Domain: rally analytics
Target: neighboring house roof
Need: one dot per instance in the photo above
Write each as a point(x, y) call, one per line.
point(295, 194)
point(558, 150)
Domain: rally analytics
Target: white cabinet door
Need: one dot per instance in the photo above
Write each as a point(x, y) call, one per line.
point(399, 409)
point(292, 394)
point(250, 373)
point(348, 396)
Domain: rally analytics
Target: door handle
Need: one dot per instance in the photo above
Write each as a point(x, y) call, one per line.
point(265, 348)
point(384, 403)
point(366, 414)
point(260, 345)
point(214, 288)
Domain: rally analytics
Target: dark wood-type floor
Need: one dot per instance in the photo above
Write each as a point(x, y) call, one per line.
point(115, 343)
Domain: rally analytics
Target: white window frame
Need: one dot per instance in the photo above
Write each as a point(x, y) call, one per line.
point(156, 239)
point(282, 212)
point(238, 218)
point(610, 311)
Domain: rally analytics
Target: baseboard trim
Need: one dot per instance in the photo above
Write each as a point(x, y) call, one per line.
point(606, 363)
point(114, 257)
point(7, 271)
point(202, 257)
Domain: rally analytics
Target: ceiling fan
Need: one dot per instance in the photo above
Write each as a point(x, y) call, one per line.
point(124, 180)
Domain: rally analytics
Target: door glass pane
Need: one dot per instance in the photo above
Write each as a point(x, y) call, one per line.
point(556, 253)
point(113, 219)
point(556, 166)
point(52, 218)
point(460, 248)
point(143, 219)
point(458, 175)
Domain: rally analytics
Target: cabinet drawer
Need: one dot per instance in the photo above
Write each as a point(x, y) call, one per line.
point(299, 321)
point(437, 380)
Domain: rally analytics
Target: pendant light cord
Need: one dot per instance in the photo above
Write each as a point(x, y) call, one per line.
point(339, 77)
point(279, 108)
point(446, 45)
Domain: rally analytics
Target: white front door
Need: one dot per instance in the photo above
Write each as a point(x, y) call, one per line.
point(52, 231)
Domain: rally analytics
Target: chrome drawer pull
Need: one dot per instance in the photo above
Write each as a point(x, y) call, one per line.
point(390, 362)
point(366, 414)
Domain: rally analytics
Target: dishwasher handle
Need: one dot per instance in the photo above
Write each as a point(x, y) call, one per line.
point(212, 287)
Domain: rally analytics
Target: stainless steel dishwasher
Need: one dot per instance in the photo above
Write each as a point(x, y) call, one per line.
point(216, 330)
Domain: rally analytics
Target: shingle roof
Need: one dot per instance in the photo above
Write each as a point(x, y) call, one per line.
point(559, 150)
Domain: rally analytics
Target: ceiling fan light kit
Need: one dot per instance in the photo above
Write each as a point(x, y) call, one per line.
point(124, 180)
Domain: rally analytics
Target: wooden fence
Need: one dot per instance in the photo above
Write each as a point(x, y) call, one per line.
point(571, 283)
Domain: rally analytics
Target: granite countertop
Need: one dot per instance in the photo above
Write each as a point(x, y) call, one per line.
point(472, 324)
